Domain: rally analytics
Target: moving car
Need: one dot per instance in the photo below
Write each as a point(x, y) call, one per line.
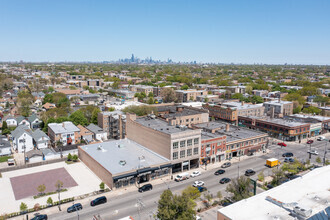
point(98, 201)
point(313, 152)
point(201, 188)
point(249, 172)
point(11, 162)
point(287, 154)
point(219, 172)
point(224, 180)
point(225, 165)
point(182, 176)
point(40, 217)
point(288, 160)
point(321, 138)
point(146, 187)
point(195, 173)
point(310, 141)
point(74, 207)
point(282, 144)
point(198, 183)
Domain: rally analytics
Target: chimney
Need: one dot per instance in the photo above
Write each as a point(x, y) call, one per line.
point(272, 112)
point(227, 127)
point(242, 103)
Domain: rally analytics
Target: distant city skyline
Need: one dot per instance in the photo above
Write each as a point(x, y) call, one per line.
point(211, 31)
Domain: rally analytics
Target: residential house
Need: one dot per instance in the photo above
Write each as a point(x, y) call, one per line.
point(22, 139)
point(5, 147)
point(114, 123)
point(48, 106)
point(98, 133)
point(40, 139)
point(85, 134)
point(66, 132)
point(11, 121)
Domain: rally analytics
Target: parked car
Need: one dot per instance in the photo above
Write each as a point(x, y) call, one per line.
point(98, 201)
point(249, 172)
point(225, 165)
point(40, 217)
point(226, 203)
point(287, 154)
point(219, 172)
point(144, 188)
point(182, 176)
point(74, 207)
point(314, 152)
point(11, 162)
point(282, 144)
point(310, 141)
point(202, 188)
point(195, 173)
point(224, 180)
point(270, 186)
point(321, 138)
point(198, 183)
point(288, 160)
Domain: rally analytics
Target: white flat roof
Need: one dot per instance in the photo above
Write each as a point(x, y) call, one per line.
point(311, 191)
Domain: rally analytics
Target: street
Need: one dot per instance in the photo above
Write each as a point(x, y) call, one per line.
point(144, 205)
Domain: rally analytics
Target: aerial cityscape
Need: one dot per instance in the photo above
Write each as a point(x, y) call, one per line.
point(165, 110)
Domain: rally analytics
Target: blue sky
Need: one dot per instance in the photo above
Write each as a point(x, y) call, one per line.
point(241, 31)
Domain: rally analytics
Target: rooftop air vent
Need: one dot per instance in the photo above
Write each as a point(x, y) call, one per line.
point(122, 162)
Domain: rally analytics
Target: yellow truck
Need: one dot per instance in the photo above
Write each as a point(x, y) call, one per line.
point(272, 162)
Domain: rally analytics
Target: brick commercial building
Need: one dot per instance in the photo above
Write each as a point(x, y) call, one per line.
point(114, 123)
point(246, 109)
point(221, 141)
point(179, 144)
point(120, 163)
point(176, 114)
point(287, 130)
point(278, 108)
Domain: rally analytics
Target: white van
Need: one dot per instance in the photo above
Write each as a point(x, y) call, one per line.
point(182, 176)
point(321, 138)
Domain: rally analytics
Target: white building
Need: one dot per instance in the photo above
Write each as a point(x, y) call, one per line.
point(302, 198)
point(22, 139)
point(98, 133)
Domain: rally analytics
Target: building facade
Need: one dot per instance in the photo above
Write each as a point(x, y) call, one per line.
point(114, 123)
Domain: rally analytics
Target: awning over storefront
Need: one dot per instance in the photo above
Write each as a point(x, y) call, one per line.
point(116, 178)
point(146, 170)
point(165, 166)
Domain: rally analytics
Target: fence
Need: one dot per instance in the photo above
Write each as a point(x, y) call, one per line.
point(28, 165)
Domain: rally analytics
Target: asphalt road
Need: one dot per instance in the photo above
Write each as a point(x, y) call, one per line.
point(144, 205)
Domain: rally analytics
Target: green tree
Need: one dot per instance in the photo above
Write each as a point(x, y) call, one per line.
point(257, 99)
point(102, 186)
point(23, 207)
point(192, 192)
point(49, 201)
point(295, 97)
point(184, 87)
point(140, 110)
point(75, 157)
point(237, 96)
point(115, 85)
point(312, 110)
point(240, 188)
point(69, 157)
point(219, 195)
point(297, 110)
point(318, 160)
point(150, 101)
point(78, 118)
point(95, 113)
point(261, 176)
point(277, 175)
point(168, 95)
point(41, 188)
point(166, 207)
point(4, 126)
point(151, 94)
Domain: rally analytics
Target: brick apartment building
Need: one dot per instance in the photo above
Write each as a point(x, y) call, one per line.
point(65, 132)
point(114, 123)
point(189, 95)
point(179, 144)
point(278, 108)
point(221, 112)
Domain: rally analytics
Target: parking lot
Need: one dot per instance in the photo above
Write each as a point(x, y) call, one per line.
point(86, 182)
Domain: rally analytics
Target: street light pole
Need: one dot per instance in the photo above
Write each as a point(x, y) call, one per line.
point(325, 151)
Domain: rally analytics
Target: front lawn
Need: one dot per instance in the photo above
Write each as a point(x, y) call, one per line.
point(5, 158)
